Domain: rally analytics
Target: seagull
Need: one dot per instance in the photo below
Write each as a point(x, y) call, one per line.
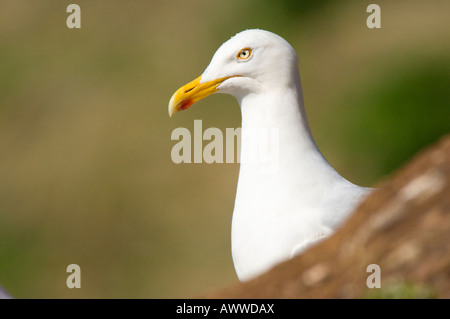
point(285, 203)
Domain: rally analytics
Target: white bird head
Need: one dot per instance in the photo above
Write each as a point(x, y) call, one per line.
point(251, 61)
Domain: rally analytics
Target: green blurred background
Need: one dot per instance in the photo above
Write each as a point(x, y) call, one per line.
point(85, 170)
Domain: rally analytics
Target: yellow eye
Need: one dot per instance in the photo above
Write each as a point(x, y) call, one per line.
point(244, 54)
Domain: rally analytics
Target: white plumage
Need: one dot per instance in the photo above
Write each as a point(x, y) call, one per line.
point(287, 201)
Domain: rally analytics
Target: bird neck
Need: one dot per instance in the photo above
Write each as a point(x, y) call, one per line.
point(276, 134)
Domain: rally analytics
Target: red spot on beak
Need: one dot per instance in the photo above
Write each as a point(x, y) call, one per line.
point(186, 104)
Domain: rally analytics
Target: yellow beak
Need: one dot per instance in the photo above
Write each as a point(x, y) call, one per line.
point(192, 92)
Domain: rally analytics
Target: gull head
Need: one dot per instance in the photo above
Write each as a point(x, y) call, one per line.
point(252, 61)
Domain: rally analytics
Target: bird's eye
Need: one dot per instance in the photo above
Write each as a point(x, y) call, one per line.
point(244, 54)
